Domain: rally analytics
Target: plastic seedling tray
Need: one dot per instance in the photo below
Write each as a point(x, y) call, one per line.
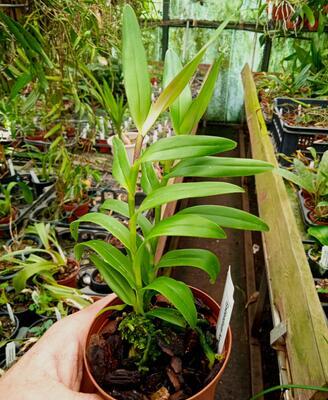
point(281, 105)
point(24, 211)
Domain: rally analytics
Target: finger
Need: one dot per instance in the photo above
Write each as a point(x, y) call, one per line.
point(76, 325)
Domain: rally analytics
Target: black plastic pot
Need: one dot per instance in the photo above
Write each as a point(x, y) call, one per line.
point(98, 287)
point(40, 186)
point(13, 335)
point(315, 267)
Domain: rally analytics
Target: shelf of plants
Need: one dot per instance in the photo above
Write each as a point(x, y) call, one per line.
point(296, 274)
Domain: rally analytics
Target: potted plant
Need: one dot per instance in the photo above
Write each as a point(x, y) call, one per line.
point(49, 262)
point(156, 343)
point(320, 233)
point(72, 186)
point(314, 185)
point(8, 213)
point(8, 331)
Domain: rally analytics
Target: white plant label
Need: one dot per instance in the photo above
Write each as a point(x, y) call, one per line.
point(34, 177)
point(101, 128)
point(11, 313)
point(58, 314)
point(11, 167)
point(85, 131)
point(10, 354)
point(324, 258)
point(225, 312)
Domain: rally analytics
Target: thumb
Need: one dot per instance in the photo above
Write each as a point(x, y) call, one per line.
point(60, 391)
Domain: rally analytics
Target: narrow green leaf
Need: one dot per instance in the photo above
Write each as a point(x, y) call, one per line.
point(114, 280)
point(172, 66)
point(112, 225)
point(36, 268)
point(122, 208)
point(187, 225)
point(176, 86)
point(149, 179)
point(121, 165)
point(199, 105)
point(135, 69)
point(179, 294)
point(180, 147)
point(227, 217)
point(320, 233)
point(26, 191)
point(214, 167)
point(180, 191)
point(111, 255)
point(198, 258)
point(309, 14)
point(169, 315)
point(20, 83)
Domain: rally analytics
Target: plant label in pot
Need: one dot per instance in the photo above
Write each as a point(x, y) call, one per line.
point(225, 312)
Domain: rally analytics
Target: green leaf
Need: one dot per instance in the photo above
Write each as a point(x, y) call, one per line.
point(180, 191)
point(320, 233)
point(112, 225)
point(198, 258)
point(304, 180)
point(149, 179)
point(135, 69)
point(178, 294)
point(180, 147)
point(199, 105)
point(172, 66)
point(31, 269)
point(121, 165)
point(20, 83)
point(176, 86)
point(309, 14)
point(110, 254)
point(114, 280)
point(122, 208)
point(187, 225)
point(26, 191)
point(227, 217)
point(214, 167)
point(167, 314)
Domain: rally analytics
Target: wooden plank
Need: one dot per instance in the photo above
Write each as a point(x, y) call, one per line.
point(291, 285)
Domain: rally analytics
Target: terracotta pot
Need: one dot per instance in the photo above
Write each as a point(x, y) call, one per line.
point(306, 195)
point(77, 210)
point(103, 146)
point(71, 280)
point(89, 385)
point(315, 219)
point(312, 28)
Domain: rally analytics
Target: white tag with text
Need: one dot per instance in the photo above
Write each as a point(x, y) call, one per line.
point(11, 167)
point(10, 313)
point(10, 354)
point(225, 312)
point(34, 177)
point(324, 258)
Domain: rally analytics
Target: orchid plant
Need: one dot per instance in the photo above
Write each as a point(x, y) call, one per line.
point(135, 277)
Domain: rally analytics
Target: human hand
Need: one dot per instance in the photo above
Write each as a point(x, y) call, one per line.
point(53, 368)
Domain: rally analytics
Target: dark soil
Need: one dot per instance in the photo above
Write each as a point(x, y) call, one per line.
point(66, 271)
point(179, 371)
point(6, 327)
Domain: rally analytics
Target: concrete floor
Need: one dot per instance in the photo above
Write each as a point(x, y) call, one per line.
point(235, 383)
